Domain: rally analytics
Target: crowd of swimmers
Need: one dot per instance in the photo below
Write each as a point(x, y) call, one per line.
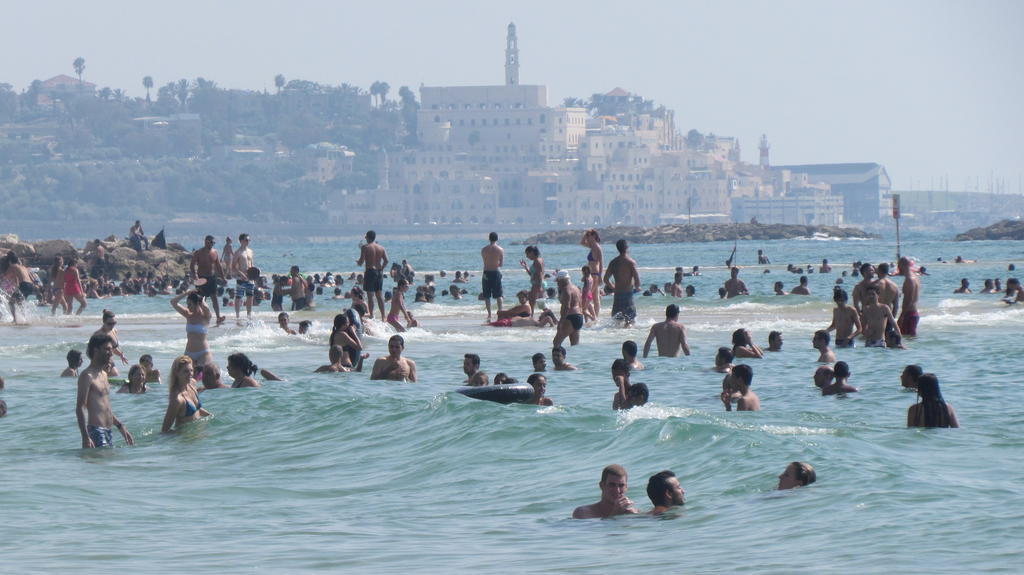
point(877, 314)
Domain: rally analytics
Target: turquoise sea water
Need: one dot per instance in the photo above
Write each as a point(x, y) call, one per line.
point(329, 473)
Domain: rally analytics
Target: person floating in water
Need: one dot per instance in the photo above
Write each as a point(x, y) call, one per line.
point(665, 492)
point(797, 474)
point(614, 484)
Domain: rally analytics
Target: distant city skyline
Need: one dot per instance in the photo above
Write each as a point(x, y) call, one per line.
point(931, 90)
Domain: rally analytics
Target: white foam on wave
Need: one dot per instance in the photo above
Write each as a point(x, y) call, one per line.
point(954, 303)
point(653, 411)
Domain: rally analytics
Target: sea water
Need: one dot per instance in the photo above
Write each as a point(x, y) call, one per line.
point(333, 472)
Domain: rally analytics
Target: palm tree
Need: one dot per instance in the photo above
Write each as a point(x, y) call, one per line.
point(105, 93)
point(375, 90)
point(279, 82)
point(147, 83)
point(182, 92)
point(79, 65)
point(384, 88)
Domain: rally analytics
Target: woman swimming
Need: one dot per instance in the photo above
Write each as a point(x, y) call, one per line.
point(931, 410)
point(183, 405)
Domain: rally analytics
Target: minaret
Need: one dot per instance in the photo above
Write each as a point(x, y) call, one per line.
point(512, 57)
point(764, 152)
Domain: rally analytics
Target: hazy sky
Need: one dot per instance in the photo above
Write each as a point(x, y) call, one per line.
point(931, 89)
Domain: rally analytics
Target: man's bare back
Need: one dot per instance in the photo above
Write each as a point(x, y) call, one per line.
point(671, 338)
point(373, 256)
point(493, 256)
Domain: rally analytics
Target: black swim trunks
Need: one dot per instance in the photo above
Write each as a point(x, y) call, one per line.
point(623, 306)
point(299, 304)
point(373, 280)
point(491, 284)
point(576, 320)
point(208, 289)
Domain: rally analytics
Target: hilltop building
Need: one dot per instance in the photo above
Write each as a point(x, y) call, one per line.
point(501, 154)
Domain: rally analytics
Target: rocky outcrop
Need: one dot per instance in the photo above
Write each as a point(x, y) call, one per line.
point(1004, 230)
point(118, 258)
point(680, 233)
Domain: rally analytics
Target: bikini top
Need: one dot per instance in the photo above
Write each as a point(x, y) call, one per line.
point(195, 328)
point(190, 409)
point(590, 257)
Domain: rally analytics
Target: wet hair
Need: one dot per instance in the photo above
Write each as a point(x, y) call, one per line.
point(804, 473)
point(629, 346)
point(193, 299)
point(107, 315)
point(243, 237)
point(493, 236)
point(532, 249)
point(537, 357)
point(532, 380)
point(473, 359)
point(882, 268)
point(74, 357)
point(823, 336)
point(739, 337)
point(136, 369)
point(282, 315)
point(774, 335)
point(672, 311)
point(725, 354)
point(97, 341)
point(821, 372)
point(371, 235)
point(864, 267)
point(398, 338)
point(501, 378)
point(841, 369)
point(803, 280)
point(305, 324)
point(744, 372)
point(243, 363)
point(620, 365)
point(639, 392)
point(558, 349)
point(622, 245)
point(613, 469)
point(656, 487)
point(914, 371)
point(839, 295)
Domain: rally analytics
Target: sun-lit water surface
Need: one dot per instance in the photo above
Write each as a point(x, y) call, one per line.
point(327, 473)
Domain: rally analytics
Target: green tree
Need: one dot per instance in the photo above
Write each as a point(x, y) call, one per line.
point(279, 82)
point(182, 93)
point(79, 65)
point(147, 83)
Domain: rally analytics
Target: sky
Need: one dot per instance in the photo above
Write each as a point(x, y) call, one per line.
point(933, 90)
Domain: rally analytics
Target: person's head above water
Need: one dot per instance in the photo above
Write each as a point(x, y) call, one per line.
point(797, 474)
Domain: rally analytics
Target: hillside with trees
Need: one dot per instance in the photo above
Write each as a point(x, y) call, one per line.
point(191, 149)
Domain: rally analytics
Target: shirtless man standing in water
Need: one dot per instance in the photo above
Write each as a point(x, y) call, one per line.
point(493, 256)
point(245, 287)
point(393, 366)
point(911, 291)
point(95, 418)
point(627, 279)
point(845, 320)
point(670, 335)
point(376, 258)
point(571, 313)
point(205, 265)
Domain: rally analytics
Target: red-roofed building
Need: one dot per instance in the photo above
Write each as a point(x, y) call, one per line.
point(62, 87)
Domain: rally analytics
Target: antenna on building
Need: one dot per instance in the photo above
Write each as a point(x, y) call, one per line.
point(764, 152)
point(512, 57)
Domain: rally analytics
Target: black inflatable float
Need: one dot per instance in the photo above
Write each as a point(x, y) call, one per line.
point(509, 393)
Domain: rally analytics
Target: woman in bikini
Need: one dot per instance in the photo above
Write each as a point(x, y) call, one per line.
point(595, 261)
point(587, 289)
point(183, 403)
point(536, 271)
point(343, 334)
point(931, 410)
point(241, 369)
point(197, 322)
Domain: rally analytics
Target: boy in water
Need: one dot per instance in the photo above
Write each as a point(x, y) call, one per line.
point(74, 358)
point(398, 307)
point(845, 320)
point(820, 342)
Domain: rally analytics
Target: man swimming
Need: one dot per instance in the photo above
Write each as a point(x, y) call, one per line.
point(665, 492)
point(614, 484)
point(471, 367)
point(393, 366)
